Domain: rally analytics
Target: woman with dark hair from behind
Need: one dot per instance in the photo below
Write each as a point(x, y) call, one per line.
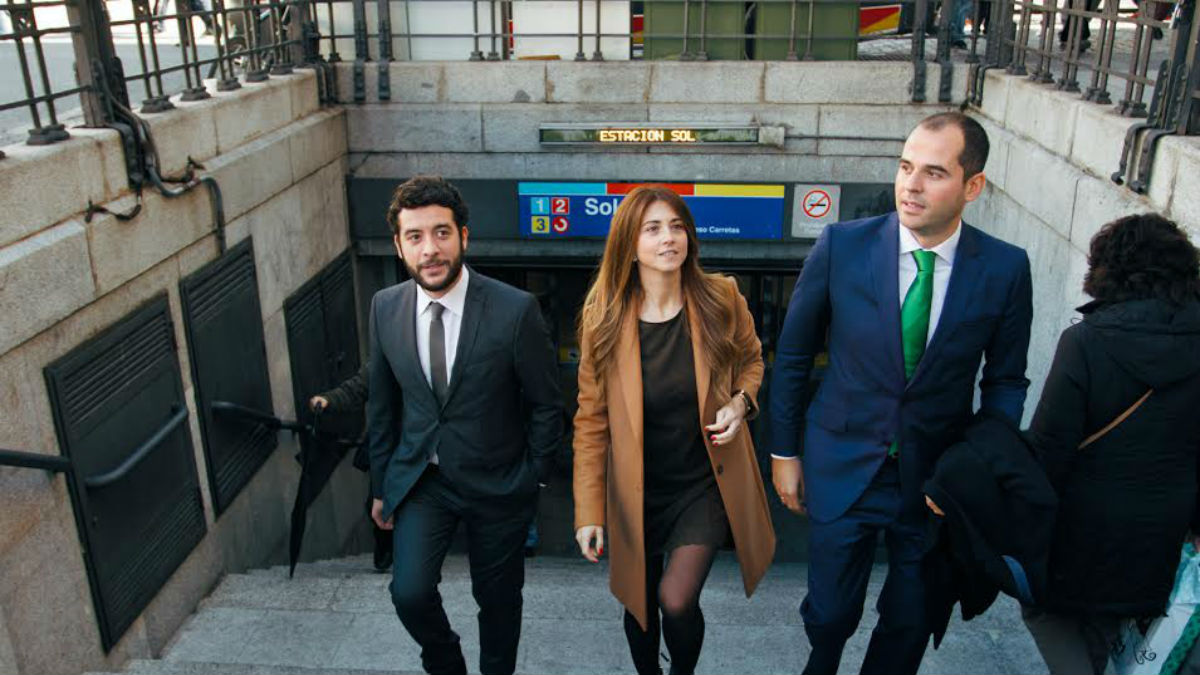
point(1127, 500)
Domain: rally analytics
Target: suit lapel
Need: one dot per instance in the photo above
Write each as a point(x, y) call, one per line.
point(406, 318)
point(473, 310)
point(703, 373)
point(885, 266)
point(964, 277)
point(629, 373)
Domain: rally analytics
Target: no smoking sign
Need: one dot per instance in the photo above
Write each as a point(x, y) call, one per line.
point(814, 207)
point(817, 203)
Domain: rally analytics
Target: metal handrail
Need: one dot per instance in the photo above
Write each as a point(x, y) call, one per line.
point(109, 477)
point(277, 424)
point(33, 460)
point(264, 418)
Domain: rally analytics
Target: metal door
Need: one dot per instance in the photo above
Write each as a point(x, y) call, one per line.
point(224, 328)
point(121, 418)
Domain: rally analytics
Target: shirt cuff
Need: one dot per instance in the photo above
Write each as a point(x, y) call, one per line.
point(774, 456)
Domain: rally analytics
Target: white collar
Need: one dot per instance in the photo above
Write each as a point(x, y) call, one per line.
point(945, 250)
point(454, 301)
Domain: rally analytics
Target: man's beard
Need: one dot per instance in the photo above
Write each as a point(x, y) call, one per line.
point(452, 274)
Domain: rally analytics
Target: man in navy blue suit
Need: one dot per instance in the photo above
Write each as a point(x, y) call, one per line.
point(911, 302)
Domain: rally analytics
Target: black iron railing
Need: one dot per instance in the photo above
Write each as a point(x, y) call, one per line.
point(1141, 58)
point(132, 53)
point(1056, 45)
point(253, 40)
point(41, 91)
point(81, 60)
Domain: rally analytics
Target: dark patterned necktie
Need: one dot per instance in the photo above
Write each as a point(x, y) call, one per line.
point(437, 353)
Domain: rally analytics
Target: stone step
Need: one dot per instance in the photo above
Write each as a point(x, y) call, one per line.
point(159, 667)
point(322, 568)
point(336, 616)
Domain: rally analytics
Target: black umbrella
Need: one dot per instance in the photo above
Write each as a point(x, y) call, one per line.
point(320, 453)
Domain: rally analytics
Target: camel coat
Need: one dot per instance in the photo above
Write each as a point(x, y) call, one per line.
point(609, 460)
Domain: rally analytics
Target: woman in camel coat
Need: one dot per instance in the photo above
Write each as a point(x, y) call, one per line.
point(665, 469)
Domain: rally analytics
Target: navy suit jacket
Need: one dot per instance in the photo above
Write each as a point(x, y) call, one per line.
point(849, 290)
point(502, 422)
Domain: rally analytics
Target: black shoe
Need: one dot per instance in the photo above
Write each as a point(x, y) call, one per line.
point(959, 44)
point(383, 549)
point(383, 560)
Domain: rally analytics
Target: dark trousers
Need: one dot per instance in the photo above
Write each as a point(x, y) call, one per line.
point(1085, 32)
point(842, 553)
point(425, 524)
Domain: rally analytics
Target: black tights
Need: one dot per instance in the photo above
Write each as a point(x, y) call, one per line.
point(676, 592)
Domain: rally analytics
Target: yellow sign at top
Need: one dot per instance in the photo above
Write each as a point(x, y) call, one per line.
point(647, 136)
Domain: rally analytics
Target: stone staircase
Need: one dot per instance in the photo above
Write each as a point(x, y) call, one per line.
point(335, 616)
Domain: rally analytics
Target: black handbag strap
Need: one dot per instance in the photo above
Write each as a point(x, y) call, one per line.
point(1120, 418)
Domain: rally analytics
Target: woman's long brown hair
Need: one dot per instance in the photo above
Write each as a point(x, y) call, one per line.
point(616, 289)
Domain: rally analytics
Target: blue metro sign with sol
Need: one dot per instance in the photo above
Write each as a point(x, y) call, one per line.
point(722, 211)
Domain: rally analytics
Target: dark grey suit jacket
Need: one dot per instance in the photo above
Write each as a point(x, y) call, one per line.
point(502, 421)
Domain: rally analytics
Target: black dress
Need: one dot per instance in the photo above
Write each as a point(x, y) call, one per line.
point(682, 502)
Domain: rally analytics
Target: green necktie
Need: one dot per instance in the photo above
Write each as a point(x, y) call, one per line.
point(914, 318)
point(914, 313)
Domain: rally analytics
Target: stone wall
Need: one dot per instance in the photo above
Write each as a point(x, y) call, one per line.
point(1050, 192)
point(480, 120)
point(280, 159)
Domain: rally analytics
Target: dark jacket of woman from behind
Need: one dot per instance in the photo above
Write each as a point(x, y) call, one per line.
point(1125, 502)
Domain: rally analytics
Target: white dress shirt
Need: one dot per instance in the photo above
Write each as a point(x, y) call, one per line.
point(453, 302)
point(942, 264)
